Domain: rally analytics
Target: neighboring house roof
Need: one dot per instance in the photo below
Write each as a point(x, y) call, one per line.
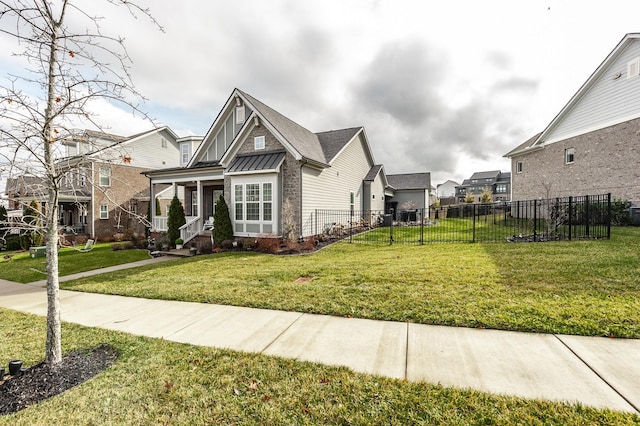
point(23, 185)
point(256, 162)
point(492, 174)
point(547, 135)
point(409, 181)
point(526, 146)
point(448, 181)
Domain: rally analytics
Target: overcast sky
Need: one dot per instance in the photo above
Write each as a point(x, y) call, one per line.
point(444, 87)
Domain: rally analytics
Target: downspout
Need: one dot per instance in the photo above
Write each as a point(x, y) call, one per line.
point(300, 195)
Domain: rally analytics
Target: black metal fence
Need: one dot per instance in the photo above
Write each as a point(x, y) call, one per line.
point(571, 218)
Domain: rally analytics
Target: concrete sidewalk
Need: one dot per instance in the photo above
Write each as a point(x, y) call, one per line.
point(598, 372)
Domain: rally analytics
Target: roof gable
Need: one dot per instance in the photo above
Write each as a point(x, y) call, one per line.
point(334, 141)
point(608, 97)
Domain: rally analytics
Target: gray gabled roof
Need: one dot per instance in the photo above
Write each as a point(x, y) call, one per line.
point(373, 172)
point(492, 174)
point(302, 140)
point(410, 181)
point(333, 141)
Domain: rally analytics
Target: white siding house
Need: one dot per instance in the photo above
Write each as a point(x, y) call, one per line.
point(592, 146)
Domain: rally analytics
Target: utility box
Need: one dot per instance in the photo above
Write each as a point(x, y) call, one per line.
point(634, 212)
point(40, 251)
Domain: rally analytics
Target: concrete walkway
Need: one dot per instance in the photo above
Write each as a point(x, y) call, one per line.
point(594, 371)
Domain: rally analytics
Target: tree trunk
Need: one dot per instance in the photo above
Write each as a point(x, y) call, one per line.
point(53, 349)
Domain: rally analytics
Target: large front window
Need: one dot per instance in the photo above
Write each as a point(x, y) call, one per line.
point(254, 207)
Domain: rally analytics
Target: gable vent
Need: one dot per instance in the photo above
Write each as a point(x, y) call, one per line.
point(633, 68)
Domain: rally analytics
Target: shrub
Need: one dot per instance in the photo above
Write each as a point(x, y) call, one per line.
point(222, 228)
point(175, 220)
point(116, 247)
point(620, 212)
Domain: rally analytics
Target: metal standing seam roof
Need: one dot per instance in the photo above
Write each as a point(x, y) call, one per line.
point(256, 162)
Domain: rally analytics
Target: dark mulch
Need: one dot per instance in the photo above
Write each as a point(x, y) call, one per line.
point(40, 381)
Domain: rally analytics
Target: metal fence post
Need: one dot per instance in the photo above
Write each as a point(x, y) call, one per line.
point(587, 214)
point(535, 220)
point(609, 216)
point(473, 238)
point(391, 227)
point(422, 224)
point(570, 215)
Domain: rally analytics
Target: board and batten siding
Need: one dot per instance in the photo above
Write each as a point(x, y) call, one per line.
point(330, 188)
point(229, 128)
point(377, 194)
point(609, 101)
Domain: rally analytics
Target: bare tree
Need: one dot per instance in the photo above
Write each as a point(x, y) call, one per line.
point(70, 64)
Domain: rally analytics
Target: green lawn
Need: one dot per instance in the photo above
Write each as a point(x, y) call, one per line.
point(159, 382)
point(577, 287)
point(23, 269)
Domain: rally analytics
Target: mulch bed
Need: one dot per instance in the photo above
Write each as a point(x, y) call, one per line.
point(40, 381)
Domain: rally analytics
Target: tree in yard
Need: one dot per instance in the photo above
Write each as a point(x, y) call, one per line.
point(469, 198)
point(222, 228)
point(175, 220)
point(31, 235)
point(3, 220)
point(486, 196)
point(69, 65)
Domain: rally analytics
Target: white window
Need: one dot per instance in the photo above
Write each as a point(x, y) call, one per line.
point(240, 114)
point(194, 203)
point(519, 167)
point(258, 142)
point(105, 176)
point(82, 178)
point(163, 143)
point(633, 68)
point(166, 210)
point(104, 211)
point(352, 200)
point(185, 152)
point(569, 155)
point(253, 205)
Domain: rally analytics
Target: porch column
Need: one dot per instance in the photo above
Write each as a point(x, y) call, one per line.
point(175, 189)
point(200, 199)
point(152, 204)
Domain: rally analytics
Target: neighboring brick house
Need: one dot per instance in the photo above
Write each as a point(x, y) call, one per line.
point(593, 145)
point(494, 181)
point(103, 191)
point(273, 173)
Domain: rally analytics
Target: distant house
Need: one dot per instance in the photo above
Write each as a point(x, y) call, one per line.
point(273, 173)
point(593, 145)
point(446, 192)
point(496, 182)
point(410, 191)
point(103, 191)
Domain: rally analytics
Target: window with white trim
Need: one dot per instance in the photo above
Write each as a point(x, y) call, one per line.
point(569, 155)
point(518, 166)
point(194, 203)
point(163, 143)
point(185, 153)
point(105, 176)
point(104, 211)
point(258, 142)
point(82, 177)
point(253, 203)
point(352, 200)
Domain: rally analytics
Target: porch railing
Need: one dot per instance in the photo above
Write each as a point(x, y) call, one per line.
point(191, 229)
point(160, 223)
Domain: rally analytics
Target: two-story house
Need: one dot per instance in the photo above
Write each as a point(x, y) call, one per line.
point(592, 146)
point(103, 191)
point(495, 182)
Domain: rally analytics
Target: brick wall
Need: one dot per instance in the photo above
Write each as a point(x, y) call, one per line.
point(126, 181)
point(606, 160)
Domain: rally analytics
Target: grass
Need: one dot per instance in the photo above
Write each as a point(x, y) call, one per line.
point(23, 269)
point(160, 382)
point(578, 287)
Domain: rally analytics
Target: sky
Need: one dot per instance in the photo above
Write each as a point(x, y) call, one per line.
point(440, 87)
